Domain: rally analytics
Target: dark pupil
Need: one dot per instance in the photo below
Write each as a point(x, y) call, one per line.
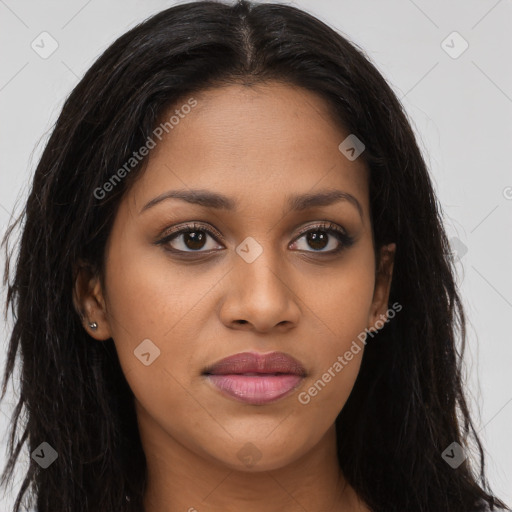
point(195, 238)
point(313, 239)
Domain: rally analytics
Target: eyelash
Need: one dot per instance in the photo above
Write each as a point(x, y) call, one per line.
point(345, 240)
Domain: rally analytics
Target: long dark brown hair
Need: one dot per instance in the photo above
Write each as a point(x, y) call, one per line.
point(407, 405)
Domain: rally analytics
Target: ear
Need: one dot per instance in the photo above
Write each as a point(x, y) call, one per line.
point(89, 301)
point(383, 276)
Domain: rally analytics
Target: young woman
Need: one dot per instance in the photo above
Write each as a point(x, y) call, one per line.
point(234, 290)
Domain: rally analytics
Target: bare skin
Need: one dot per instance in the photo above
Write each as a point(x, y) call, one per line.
point(256, 145)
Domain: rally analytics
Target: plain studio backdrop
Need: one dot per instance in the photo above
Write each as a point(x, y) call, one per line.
point(450, 65)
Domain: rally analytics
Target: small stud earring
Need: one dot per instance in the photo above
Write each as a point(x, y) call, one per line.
point(93, 325)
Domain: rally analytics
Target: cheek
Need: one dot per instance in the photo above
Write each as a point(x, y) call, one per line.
point(156, 317)
point(342, 305)
point(151, 299)
point(336, 354)
point(342, 301)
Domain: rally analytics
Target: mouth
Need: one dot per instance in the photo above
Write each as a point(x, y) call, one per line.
point(256, 379)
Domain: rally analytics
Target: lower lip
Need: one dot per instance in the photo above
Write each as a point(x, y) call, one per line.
point(256, 390)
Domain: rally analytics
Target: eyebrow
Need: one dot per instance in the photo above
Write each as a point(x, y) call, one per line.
point(300, 202)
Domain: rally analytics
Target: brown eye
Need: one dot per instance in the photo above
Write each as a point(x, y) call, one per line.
point(192, 238)
point(324, 236)
point(317, 239)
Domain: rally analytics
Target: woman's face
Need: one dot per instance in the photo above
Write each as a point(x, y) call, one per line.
point(176, 306)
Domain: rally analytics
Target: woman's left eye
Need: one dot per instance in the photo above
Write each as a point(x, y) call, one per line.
point(320, 237)
point(193, 238)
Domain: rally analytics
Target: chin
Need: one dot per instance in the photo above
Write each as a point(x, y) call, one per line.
point(255, 457)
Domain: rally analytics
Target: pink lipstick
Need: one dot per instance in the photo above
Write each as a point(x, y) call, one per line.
point(256, 378)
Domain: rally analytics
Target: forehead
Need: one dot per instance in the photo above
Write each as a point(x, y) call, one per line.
point(254, 142)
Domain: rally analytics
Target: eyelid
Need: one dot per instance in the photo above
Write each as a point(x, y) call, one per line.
point(324, 225)
point(191, 226)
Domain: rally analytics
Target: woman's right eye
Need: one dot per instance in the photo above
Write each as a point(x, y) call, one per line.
point(189, 239)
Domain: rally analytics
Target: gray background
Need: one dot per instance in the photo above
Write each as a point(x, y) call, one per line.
point(460, 109)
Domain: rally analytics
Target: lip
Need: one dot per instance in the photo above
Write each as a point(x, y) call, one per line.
point(256, 378)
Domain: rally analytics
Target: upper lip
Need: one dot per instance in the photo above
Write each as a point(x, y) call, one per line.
point(251, 362)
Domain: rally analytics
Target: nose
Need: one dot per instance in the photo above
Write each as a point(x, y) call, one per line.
point(259, 296)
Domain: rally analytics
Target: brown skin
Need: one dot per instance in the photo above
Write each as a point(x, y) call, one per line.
point(256, 145)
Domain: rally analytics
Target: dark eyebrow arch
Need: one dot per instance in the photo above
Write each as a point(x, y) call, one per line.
point(322, 198)
point(195, 196)
point(210, 199)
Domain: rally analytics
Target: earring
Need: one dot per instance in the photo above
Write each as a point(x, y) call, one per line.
point(93, 325)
